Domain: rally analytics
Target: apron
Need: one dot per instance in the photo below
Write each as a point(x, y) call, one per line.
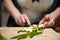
point(34, 9)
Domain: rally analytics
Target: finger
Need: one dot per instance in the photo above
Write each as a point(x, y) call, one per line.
point(46, 18)
point(18, 21)
point(22, 19)
point(46, 25)
point(51, 22)
point(27, 20)
point(42, 21)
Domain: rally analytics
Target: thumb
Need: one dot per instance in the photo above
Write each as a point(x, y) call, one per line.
point(45, 18)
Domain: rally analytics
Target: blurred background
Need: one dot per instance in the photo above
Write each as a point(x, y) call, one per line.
point(0, 12)
point(4, 16)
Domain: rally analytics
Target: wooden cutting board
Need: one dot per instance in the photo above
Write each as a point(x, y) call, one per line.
point(48, 34)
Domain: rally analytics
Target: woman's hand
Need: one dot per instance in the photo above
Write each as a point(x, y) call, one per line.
point(49, 19)
point(21, 19)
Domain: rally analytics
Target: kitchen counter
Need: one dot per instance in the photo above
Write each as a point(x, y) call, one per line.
point(48, 34)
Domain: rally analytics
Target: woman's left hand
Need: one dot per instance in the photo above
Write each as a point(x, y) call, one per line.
point(49, 19)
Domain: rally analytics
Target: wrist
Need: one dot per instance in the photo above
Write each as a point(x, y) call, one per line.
point(15, 14)
point(57, 12)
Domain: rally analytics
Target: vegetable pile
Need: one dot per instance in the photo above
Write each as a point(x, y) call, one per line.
point(31, 31)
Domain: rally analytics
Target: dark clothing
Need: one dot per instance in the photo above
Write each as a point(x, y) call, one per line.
point(11, 21)
point(59, 3)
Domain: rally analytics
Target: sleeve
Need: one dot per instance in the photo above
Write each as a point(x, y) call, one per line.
point(59, 3)
point(1, 0)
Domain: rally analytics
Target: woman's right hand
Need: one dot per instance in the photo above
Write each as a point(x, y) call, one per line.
point(15, 13)
point(21, 19)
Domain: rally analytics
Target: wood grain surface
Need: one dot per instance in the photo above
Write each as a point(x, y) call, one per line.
point(48, 34)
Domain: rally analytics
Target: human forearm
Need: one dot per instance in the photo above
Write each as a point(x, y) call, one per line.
point(10, 6)
point(57, 11)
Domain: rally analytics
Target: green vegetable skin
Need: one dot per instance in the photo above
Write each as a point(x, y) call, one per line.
point(2, 37)
point(20, 36)
point(34, 32)
point(23, 36)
